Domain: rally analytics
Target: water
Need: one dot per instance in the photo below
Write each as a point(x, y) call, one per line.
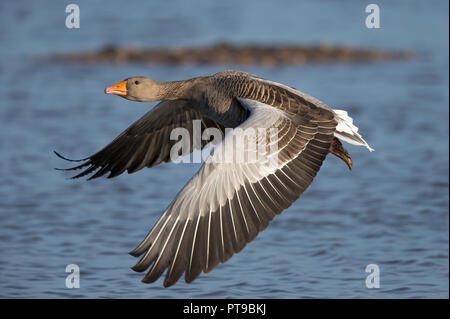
point(391, 210)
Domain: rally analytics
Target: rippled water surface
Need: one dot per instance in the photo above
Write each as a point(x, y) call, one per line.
point(391, 210)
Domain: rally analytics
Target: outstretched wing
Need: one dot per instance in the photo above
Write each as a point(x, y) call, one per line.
point(225, 205)
point(146, 142)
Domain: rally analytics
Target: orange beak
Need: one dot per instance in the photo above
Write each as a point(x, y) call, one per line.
point(118, 89)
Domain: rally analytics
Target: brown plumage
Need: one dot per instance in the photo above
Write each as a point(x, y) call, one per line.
point(226, 204)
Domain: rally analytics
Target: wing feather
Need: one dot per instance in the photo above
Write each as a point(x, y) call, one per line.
point(226, 205)
point(146, 142)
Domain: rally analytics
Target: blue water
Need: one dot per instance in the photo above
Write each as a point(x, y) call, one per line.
point(391, 210)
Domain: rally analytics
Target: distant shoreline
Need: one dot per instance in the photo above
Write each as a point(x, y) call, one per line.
point(224, 53)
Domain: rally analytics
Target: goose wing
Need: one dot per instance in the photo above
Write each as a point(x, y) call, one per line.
point(146, 142)
point(293, 101)
point(226, 204)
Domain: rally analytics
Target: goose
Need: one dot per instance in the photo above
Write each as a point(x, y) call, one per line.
point(226, 204)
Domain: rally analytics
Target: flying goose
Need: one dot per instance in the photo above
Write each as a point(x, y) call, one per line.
point(225, 205)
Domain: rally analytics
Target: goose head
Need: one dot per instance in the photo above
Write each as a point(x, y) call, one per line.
point(137, 88)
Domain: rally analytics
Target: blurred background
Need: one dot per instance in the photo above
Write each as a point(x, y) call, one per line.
point(391, 210)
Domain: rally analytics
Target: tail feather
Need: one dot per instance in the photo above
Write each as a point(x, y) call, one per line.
point(347, 131)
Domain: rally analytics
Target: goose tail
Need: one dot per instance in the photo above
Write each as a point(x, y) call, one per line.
point(347, 131)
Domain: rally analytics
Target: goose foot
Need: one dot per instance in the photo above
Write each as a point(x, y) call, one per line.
point(337, 149)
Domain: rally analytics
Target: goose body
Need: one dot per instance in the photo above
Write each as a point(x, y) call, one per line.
point(226, 204)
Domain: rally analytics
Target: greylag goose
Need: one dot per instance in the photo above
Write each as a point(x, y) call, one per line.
point(225, 205)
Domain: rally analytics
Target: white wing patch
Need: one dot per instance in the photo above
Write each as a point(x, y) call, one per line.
point(218, 179)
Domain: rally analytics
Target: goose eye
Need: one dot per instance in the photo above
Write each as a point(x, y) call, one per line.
point(136, 82)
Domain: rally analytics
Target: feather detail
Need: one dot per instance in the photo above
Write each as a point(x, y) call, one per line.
point(347, 131)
